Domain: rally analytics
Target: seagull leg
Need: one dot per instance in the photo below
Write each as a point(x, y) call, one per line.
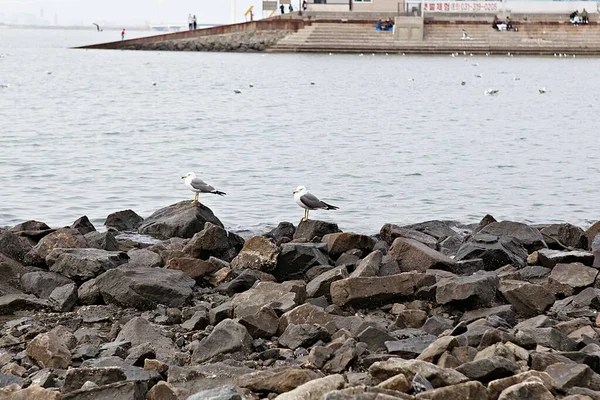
point(307, 211)
point(195, 201)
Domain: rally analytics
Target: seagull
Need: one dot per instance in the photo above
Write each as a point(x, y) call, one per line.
point(463, 83)
point(251, 85)
point(312, 82)
point(237, 91)
point(411, 79)
point(516, 78)
point(465, 36)
point(542, 90)
point(48, 72)
point(309, 202)
point(97, 27)
point(478, 75)
point(4, 86)
point(475, 64)
point(153, 83)
point(198, 186)
point(491, 92)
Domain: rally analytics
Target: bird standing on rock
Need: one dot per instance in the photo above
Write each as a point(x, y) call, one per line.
point(310, 202)
point(198, 186)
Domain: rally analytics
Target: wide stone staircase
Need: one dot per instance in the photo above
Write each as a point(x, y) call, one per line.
point(440, 37)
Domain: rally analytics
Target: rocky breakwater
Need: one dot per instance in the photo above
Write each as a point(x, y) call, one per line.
point(436, 310)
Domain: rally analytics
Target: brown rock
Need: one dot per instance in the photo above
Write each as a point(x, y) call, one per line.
point(528, 299)
point(467, 390)
point(162, 391)
point(437, 348)
point(496, 387)
point(307, 314)
point(569, 375)
point(338, 243)
point(526, 390)
point(398, 383)
point(34, 393)
point(63, 238)
point(439, 377)
point(567, 278)
point(278, 380)
point(48, 351)
point(411, 318)
point(155, 365)
point(258, 253)
point(415, 256)
point(192, 267)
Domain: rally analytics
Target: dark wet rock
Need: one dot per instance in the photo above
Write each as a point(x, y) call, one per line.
point(244, 281)
point(229, 392)
point(312, 228)
point(12, 303)
point(121, 390)
point(578, 305)
point(415, 256)
point(375, 338)
point(227, 337)
point(494, 251)
point(13, 246)
point(83, 225)
point(550, 337)
point(340, 242)
point(302, 335)
point(390, 232)
point(549, 258)
point(530, 237)
point(62, 238)
point(410, 348)
point(533, 274)
point(139, 331)
point(42, 283)
point(282, 233)
point(527, 390)
point(144, 288)
point(307, 314)
point(297, 258)
point(475, 290)
point(438, 229)
point(258, 253)
point(341, 358)
point(102, 240)
point(30, 225)
point(377, 290)
point(320, 285)
point(566, 279)
point(528, 299)
point(468, 390)
point(124, 221)
point(63, 298)
point(84, 264)
point(278, 380)
point(220, 313)
point(262, 324)
point(11, 272)
point(182, 219)
point(280, 296)
point(569, 375)
point(436, 324)
point(198, 321)
point(438, 377)
point(214, 241)
point(49, 351)
point(76, 377)
point(565, 236)
point(88, 292)
point(144, 258)
point(369, 266)
point(488, 369)
point(192, 267)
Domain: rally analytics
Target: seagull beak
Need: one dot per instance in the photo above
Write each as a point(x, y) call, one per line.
point(183, 177)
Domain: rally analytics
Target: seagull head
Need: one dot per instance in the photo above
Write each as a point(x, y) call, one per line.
point(300, 190)
point(189, 175)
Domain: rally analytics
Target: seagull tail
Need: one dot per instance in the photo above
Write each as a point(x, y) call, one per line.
point(330, 207)
point(219, 193)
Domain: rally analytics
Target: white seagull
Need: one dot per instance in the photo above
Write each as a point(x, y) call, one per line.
point(310, 202)
point(198, 186)
point(237, 91)
point(542, 90)
point(491, 92)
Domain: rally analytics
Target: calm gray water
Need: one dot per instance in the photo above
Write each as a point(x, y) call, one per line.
point(95, 136)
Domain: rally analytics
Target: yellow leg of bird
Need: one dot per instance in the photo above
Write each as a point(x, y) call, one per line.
point(307, 211)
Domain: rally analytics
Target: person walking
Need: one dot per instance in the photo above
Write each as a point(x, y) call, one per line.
point(304, 5)
point(123, 34)
point(282, 8)
point(195, 22)
point(190, 22)
point(290, 8)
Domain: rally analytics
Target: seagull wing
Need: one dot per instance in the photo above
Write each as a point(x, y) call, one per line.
point(97, 26)
point(311, 201)
point(204, 187)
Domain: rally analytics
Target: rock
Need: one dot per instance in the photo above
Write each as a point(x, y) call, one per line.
point(435, 325)
point(48, 351)
point(182, 219)
point(314, 389)
point(438, 377)
point(567, 278)
point(280, 296)
point(88, 293)
point(506, 312)
point(14, 369)
point(30, 225)
point(494, 251)
point(102, 240)
point(415, 256)
point(530, 237)
point(488, 369)
point(565, 235)
point(261, 324)
point(578, 393)
point(42, 283)
point(437, 348)
point(528, 299)
point(144, 288)
point(549, 258)
point(578, 305)
point(192, 267)
point(411, 318)
point(467, 390)
point(375, 338)
point(567, 376)
point(220, 313)
point(390, 232)
point(8, 380)
point(533, 274)
point(198, 321)
point(63, 298)
point(378, 290)
point(244, 281)
point(296, 259)
point(62, 238)
point(278, 380)
point(227, 337)
point(258, 253)
point(438, 229)
point(478, 289)
point(369, 266)
point(307, 314)
point(11, 303)
point(302, 335)
point(121, 390)
point(550, 337)
point(314, 228)
point(124, 221)
point(526, 390)
point(144, 258)
point(340, 242)
point(228, 392)
point(284, 232)
point(398, 383)
point(320, 285)
point(76, 377)
point(84, 264)
point(13, 246)
point(33, 393)
point(342, 357)
point(411, 347)
point(197, 378)
point(496, 387)
point(214, 241)
point(83, 225)
point(162, 391)
point(139, 331)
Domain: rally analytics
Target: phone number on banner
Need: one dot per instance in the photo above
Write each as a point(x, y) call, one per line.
point(462, 6)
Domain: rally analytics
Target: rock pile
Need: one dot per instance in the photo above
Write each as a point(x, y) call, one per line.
point(436, 310)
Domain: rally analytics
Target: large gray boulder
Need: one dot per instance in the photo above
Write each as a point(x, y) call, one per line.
point(565, 235)
point(549, 258)
point(473, 291)
point(138, 331)
point(83, 225)
point(493, 250)
point(102, 240)
point(340, 242)
point(296, 259)
point(227, 337)
point(389, 233)
point(214, 241)
point(11, 303)
point(144, 288)
point(62, 238)
point(258, 253)
point(530, 237)
point(415, 256)
point(566, 279)
point(528, 299)
point(13, 246)
point(313, 228)
point(280, 296)
point(42, 283)
point(124, 221)
point(182, 219)
point(84, 264)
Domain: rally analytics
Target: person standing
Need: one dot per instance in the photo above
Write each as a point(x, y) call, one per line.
point(190, 22)
point(282, 8)
point(290, 8)
point(195, 22)
point(123, 34)
point(304, 5)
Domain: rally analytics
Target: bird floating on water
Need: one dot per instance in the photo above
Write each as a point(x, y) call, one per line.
point(310, 202)
point(48, 72)
point(251, 85)
point(198, 186)
point(516, 78)
point(475, 64)
point(542, 90)
point(237, 91)
point(491, 92)
point(478, 75)
point(312, 82)
point(153, 83)
point(463, 83)
point(411, 79)
point(97, 27)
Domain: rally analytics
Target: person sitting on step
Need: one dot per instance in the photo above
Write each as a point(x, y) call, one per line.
point(584, 16)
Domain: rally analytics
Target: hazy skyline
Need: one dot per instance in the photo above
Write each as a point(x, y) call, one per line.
point(130, 12)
